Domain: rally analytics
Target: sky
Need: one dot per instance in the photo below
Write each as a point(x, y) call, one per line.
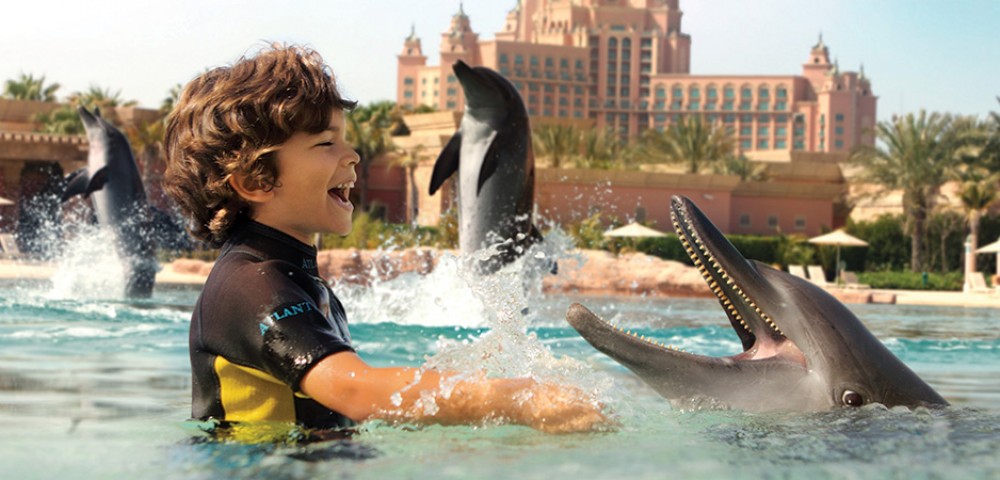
point(919, 54)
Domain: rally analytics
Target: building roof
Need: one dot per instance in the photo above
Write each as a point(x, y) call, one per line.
point(35, 137)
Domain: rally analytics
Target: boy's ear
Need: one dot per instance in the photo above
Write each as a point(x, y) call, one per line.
point(248, 190)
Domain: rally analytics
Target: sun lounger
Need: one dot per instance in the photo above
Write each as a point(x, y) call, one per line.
point(798, 271)
point(817, 276)
point(976, 283)
point(850, 280)
point(8, 247)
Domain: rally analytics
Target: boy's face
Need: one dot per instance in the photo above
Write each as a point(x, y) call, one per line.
point(315, 177)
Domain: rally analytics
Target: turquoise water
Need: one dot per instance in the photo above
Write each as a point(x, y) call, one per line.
point(98, 388)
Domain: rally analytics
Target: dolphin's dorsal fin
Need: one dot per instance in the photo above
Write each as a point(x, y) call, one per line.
point(490, 161)
point(76, 183)
point(97, 181)
point(447, 162)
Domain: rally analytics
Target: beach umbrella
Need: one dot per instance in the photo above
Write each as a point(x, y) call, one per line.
point(634, 230)
point(4, 202)
point(838, 238)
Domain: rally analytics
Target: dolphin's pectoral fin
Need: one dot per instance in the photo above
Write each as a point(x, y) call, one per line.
point(490, 161)
point(447, 162)
point(76, 184)
point(97, 181)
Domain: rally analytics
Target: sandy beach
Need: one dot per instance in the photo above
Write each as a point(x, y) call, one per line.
point(595, 273)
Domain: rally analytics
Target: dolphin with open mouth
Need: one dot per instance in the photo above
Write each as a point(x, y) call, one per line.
point(803, 350)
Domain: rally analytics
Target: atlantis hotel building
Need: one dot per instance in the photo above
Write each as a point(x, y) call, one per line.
point(625, 65)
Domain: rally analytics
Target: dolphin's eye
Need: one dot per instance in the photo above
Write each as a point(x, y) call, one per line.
point(852, 398)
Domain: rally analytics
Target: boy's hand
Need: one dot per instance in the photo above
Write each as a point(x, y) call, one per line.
point(556, 408)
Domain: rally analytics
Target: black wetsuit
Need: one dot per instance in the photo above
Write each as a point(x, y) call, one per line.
point(264, 318)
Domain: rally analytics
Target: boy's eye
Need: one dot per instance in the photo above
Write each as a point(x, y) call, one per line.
point(325, 144)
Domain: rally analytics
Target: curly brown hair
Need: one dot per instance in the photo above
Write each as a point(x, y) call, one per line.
point(232, 120)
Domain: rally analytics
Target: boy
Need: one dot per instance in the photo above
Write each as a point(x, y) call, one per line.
point(256, 159)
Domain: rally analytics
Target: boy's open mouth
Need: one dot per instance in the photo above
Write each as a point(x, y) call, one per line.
point(342, 192)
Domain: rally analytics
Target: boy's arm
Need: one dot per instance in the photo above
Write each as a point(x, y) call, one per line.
point(345, 383)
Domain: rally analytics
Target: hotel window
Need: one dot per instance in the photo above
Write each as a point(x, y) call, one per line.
point(694, 106)
point(563, 88)
point(547, 100)
point(727, 105)
point(408, 81)
point(746, 118)
point(660, 118)
point(504, 71)
point(450, 105)
point(780, 144)
point(677, 92)
point(822, 119)
point(746, 131)
point(744, 106)
point(503, 58)
point(799, 145)
point(781, 131)
point(764, 106)
point(532, 87)
point(626, 78)
point(549, 88)
point(745, 220)
point(746, 144)
point(839, 130)
point(772, 221)
point(611, 91)
point(710, 106)
point(451, 92)
point(660, 105)
point(712, 93)
point(661, 92)
point(518, 59)
point(675, 105)
point(564, 63)
point(763, 131)
point(730, 130)
point(578, 90)
point(781, 118)
point(562, 113)
point(534, 61)
point(624, 92)
point(763, 144)
point(839, 144)
point(800, 222)
point(839, 117)
point(763, 93)
point(763, 118)
point(728, 92)
point(532, 98)
point(549, 62)
point(579, 64)
point(799, 131)
point(729, 118)
point(408, 94)
point(578, 102)
point(547, 112)
point(745, 92)
point(695, 93)
point(780, 106)
point(781, 92)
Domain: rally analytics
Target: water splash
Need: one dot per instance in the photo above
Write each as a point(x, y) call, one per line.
point(89, 267)
point(454, 294)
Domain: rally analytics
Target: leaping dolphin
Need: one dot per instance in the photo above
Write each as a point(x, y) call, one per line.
point(496, 166)
point(803, 350)
point(111, 179)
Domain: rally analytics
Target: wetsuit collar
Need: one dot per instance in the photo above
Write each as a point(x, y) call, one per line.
point(275, 245)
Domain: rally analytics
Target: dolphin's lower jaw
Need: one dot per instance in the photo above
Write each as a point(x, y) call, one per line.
point(803, 350)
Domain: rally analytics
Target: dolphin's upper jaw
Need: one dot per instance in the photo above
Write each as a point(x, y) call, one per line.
point(720, 264)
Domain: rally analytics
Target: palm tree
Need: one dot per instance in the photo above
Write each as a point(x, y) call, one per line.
point(977, 182)
point(742, 166)
point(914, 154)
point(556, 142)
point(27, 87)
point(604, 150)
point(171, 99)
point(691, 140)
point(409, 159)
point(65, 120)
point(369, 130)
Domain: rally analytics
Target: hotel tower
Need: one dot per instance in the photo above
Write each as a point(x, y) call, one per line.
point(625, 65)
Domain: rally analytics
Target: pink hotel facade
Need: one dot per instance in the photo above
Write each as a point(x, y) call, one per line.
point(625, 65)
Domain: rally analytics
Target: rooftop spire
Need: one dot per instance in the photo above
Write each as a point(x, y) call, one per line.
point(413, 32)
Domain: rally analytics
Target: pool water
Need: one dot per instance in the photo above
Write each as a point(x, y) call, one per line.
point(96, 387)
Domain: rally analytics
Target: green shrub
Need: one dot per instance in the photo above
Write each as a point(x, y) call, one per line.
point(951, 281)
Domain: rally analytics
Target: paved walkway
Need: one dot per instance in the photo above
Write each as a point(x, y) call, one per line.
point(167, 277)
